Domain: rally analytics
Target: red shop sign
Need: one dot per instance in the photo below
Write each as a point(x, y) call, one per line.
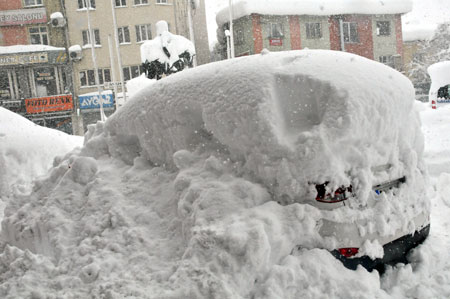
point(276, 42)
point(49, 104)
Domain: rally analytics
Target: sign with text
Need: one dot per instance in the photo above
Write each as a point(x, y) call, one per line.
point(49, 104)
point(92, 101)
point(28, 58)
point(276, 42)
point(23, 16)
point(111, 85)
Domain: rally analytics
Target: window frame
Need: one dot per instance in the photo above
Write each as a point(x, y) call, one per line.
point(101, 77)
point(348, 39)
point(140, 2)
point(40, 33)
point(130, 74)
point(379, 28)
point(123, 3)
point(123, 35)
point(162, 2)
point(147, 29)
point(33, 5)
point(92, 5)
point(313, 31)
point(280, 31)
point(88, 38)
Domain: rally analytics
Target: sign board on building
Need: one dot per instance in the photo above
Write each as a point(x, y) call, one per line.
point(23, 16)
point(92, 101)
point(49, 104)
point(111, 85)
point(26, 58)
point(276, 42)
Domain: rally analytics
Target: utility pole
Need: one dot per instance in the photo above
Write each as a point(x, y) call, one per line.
point(231, 28)
point(191, 28)
point(94, 61)
point(113, 67)
point(119, 57)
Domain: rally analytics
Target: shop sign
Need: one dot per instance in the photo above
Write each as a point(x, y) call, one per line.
point(28, 58)
point(23, 16)
point(49, 104)
point(276, 42)
point(92, 101)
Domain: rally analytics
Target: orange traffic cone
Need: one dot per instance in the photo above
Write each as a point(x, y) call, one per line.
point(433, 104)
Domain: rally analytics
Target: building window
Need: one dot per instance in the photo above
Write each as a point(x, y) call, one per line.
point(143, 32)
point(5, 90)
point(351, 32)
point(384, 28)
point(275, 30)
point(83, 4)
point(38, 35)
point(313, 30)
point(121, 3)
point(387, 59)
point(140, 2)
point(162, 2)
point(239, 37)
point(45, 81)
point(130, 72)
point(87, 78)
point(124, 35)
point(87, 37)
point(32, 2)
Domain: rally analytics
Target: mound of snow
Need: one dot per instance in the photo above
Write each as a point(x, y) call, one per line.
point(27, 151)
point(175, 196)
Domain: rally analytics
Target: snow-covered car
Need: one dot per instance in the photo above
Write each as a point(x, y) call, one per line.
point(327, 129)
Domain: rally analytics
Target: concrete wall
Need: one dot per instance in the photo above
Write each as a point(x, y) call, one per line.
point(322, 43)
point(384, 45)
point(101, 18)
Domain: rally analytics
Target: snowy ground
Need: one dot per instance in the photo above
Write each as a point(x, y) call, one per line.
point(105, 223)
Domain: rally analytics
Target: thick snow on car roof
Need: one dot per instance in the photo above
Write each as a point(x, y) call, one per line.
point(279, 113)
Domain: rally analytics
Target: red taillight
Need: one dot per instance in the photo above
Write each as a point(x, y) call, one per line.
point(340, 194)
point(348, 252)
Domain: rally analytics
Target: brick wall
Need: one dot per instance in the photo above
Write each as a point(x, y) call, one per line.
point(398, 34)
point(10, 4)
point(294, 26)
point(257, 33)
point(13, 35)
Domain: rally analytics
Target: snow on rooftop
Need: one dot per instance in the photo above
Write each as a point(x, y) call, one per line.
point(28, 48)
point(313, 7)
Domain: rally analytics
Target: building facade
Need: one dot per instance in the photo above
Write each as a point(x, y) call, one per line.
point(35, 72)
point(136, 21)
point(377, 37)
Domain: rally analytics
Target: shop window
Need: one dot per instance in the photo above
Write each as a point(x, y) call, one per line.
point(45, 81)
point(124, 35)
point(87, 78)
point(350, 32)
point(140, 2)
point(38, 35)
point(5, 91)
point(143, 32)
point(275, 30)
point(384, 28)
point(121, 3)
point(313, 30)
point(87, 37)
point(84, 3)
point(32, 3)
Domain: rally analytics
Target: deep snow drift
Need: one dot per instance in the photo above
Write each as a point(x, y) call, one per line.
point(27, 151)
point(177, 199)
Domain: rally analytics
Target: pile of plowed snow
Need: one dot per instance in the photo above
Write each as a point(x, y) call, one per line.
point(27, 151)
point(179, 197)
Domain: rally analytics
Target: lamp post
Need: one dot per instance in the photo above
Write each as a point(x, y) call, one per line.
point(94, 60)
point(231, 28)
point(119, 57)
point(227, 34)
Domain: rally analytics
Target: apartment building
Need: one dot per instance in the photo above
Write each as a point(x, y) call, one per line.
point(376, 35)
point(35, 72)
point(136, 21)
